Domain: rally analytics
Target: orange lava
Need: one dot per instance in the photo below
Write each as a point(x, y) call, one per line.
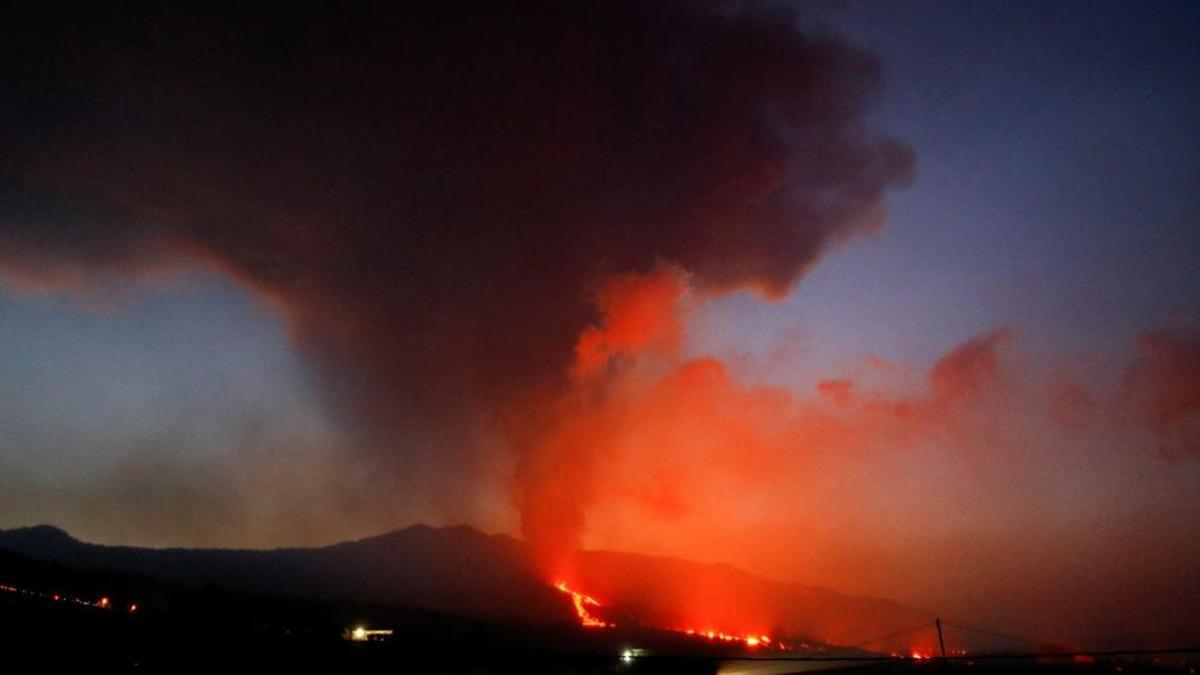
point(586, 604)
point(719, 636)
point(582, 604)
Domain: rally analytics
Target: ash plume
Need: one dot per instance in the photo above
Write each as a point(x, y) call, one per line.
point(431, 193)
point(487, 226)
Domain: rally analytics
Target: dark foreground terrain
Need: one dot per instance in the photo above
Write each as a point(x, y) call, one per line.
point(60, 619)
point(76, 616)
point(459, 571)
point(56, 618)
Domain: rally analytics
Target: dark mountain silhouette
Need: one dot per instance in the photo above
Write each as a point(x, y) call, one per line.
point(52, 621)
point(456, 569)
point(462, 571)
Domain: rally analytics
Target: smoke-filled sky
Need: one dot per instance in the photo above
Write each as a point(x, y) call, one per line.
point(901, 300)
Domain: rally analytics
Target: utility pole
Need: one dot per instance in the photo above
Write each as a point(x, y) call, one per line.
point(941, 643)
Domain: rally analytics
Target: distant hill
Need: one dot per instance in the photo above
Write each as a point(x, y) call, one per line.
point(52, 620)
point(671, 592)
point(457, 569)
point(462, 571)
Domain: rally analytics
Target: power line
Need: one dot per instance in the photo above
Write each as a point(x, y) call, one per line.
point(992, 633)
point(927, 624)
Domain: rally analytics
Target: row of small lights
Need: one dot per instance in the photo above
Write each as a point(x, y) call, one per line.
point(921, 656)
point(102, 603)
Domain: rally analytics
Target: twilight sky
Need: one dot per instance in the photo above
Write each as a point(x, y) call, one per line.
point(678, 281)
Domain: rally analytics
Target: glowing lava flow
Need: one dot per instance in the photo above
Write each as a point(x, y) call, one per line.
point(585, 605)
point(718, 636)
point(582, 603)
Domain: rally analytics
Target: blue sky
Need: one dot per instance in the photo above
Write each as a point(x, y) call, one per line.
point(1057, 189)
point(197, 364)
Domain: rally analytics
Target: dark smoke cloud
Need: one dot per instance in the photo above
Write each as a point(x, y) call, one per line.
point(72, 239)
point(430, 192)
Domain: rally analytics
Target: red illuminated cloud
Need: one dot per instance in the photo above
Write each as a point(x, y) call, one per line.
point(1163, 388)
point(643, 430)
point(968, 368)
point(638, 313)
point(840, 392)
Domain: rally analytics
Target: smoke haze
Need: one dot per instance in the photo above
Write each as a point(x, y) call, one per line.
point(487, 228)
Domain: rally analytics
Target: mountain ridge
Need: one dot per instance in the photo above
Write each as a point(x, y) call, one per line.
point(462, 570)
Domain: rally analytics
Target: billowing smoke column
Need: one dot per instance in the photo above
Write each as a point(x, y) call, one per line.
point(563, 455)
point(434, 194)
point(487, 224)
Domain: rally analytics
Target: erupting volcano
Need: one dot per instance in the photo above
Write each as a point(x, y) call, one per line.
point(613, 323)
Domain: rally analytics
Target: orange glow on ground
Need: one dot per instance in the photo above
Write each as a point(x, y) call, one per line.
point(583, 603)
point(719, 636)
point(585, 606)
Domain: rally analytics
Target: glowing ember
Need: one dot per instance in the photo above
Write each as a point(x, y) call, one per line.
point(582, 604)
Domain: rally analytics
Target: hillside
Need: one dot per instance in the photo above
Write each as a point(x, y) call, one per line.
point(462, 571)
